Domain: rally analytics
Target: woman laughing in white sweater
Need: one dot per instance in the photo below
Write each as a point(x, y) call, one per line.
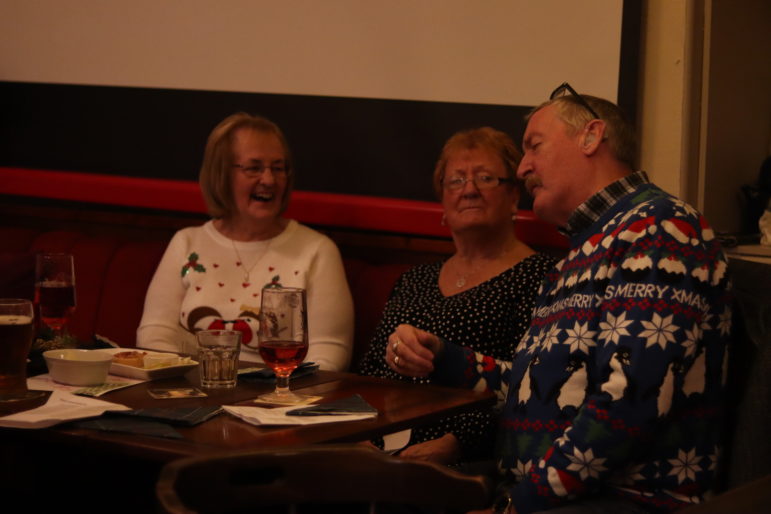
point(212, 276)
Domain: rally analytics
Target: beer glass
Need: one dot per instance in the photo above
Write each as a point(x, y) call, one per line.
point(55, 289)
point(283, 338)
point(16, 317)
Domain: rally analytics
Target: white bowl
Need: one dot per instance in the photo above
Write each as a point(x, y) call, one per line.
point(78, 367)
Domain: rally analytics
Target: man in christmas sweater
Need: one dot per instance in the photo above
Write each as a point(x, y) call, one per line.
point(613, 397)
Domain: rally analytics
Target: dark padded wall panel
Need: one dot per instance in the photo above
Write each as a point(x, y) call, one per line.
point(342, 145)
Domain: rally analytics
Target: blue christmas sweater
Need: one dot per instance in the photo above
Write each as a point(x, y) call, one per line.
point(616, 389)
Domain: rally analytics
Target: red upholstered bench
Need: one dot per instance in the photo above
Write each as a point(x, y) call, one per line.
point(118, 228)
point(112, 276)
point(113, 273)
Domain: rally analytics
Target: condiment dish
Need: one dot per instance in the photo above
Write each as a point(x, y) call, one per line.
point(78, 367)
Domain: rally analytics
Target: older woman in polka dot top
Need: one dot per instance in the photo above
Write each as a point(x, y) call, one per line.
point(482, 295)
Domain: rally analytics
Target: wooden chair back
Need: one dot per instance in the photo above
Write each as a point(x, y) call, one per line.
point(324, 475)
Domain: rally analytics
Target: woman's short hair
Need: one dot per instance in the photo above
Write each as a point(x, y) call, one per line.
point(619, 132)
point(217, 168)
point(483, 138)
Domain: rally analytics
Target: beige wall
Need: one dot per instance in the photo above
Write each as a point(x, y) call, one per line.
point(660, 123)
point(489, 52)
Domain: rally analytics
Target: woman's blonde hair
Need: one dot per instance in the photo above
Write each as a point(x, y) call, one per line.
point(217, 167)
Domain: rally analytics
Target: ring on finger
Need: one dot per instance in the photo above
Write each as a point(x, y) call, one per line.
point(396, 345)
point(396, 360)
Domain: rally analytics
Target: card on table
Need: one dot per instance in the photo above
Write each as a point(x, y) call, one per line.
point(176, 392)
point(187, 416)
point(354, 404)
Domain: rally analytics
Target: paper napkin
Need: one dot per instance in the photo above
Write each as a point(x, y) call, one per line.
point(60, 407)
point(278, 416)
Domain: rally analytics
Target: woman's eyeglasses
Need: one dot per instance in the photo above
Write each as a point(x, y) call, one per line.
point(481, 182)
point(565, 89)
point(257, 170)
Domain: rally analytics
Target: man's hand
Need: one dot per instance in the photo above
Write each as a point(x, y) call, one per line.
point(411, 351)
point(444, 450)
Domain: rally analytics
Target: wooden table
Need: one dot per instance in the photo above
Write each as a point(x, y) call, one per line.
point(400, 405)
point(63, 454)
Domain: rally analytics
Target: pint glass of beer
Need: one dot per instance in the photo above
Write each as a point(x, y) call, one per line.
point(15, 342)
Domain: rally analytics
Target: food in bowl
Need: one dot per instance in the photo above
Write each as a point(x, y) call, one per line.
point(146, 360)
point(132, 358)
point(78, 367)
point(164, 360)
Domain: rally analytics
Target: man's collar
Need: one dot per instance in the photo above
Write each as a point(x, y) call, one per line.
point(599, 203)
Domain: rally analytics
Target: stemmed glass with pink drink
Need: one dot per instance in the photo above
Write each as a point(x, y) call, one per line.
point(283, 338)
point(55, 289)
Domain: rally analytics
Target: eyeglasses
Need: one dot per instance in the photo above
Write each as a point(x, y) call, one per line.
point(564, 89)
point(481, 182)
point(257, 170)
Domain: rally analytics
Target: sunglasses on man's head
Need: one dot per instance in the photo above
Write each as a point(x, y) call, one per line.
point(565, 89)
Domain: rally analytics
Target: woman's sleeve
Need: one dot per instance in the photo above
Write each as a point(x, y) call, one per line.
point(159, 328)
point(330, 310)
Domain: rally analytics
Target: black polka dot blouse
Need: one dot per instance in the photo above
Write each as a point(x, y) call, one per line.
point(490, 318)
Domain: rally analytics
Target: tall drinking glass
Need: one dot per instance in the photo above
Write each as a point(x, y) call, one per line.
point(16, 317)
point(55, 289)
point(283, 338)
point(218, 357)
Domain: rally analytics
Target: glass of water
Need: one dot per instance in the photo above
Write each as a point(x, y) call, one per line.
point(218, 352)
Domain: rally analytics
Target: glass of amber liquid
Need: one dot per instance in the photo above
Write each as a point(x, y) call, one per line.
point(16, 317)
point(283, 338)
point(55, 289)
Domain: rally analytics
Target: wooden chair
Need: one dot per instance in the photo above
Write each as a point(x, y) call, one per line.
point(328, 478)
point(750, 498)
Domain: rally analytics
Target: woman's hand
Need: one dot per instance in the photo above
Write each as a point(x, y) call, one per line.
point(411, 351)
point(445, 450)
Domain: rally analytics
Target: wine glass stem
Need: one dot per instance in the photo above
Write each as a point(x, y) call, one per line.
point(282, 383)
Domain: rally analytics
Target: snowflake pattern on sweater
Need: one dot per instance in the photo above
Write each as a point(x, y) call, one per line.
point(617, 387)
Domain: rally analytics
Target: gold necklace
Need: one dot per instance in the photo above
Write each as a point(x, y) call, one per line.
point(248, 270)
point(462, 278)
